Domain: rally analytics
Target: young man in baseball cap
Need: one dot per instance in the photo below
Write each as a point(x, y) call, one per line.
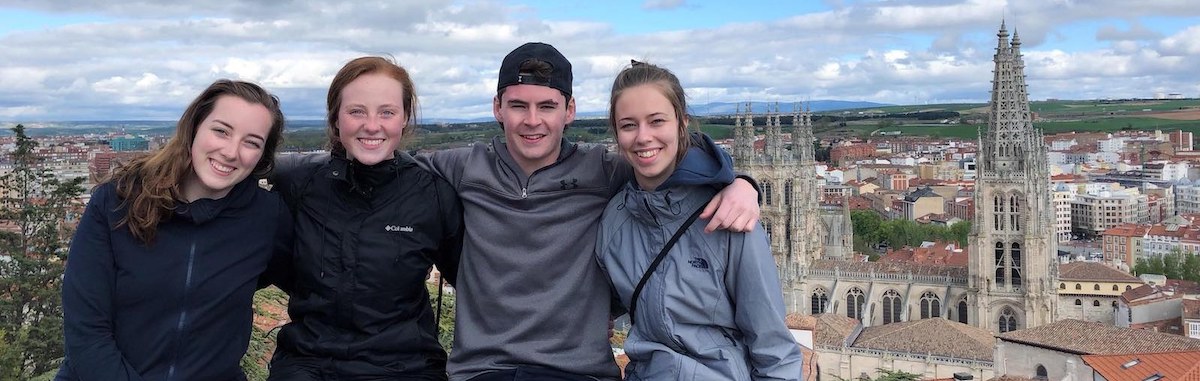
point(532, 304)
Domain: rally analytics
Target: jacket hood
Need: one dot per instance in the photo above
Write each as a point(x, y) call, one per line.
point(702, 165)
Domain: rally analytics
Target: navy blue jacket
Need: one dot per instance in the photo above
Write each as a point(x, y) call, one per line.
point(179, 308)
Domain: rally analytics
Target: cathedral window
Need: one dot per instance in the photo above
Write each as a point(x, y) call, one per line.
point(891, 307)
point(1078, 286)
point(1078, 302)
point(1128, 287)
point(820, 301)
point(854, 303)
point(1000, 265)
point(1008, 320)
point(962, 311)
point(766, 188)
point(1013, 216)
point(788, 187)
point(1095, 303)
point(1015, 260)
point(931, 305)
point(1115, 288)
point(1062, 286)
point(1096, 288)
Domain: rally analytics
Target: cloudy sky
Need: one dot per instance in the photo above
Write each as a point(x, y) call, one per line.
point(66, 60)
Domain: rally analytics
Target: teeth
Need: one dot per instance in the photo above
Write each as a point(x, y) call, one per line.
point(371, 142)
point(221, 168)
point(646, 153)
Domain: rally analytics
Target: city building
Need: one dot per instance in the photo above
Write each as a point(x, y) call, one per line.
point(1089, 291)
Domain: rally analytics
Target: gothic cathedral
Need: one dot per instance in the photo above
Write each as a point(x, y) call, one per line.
point(1010, 280)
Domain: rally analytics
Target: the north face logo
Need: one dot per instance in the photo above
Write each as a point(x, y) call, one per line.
point(699, 263)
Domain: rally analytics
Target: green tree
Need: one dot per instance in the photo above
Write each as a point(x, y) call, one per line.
point(961, 232)
point(886, 375)
point(1191, 267)
point(1171, 265)
point(41, 209)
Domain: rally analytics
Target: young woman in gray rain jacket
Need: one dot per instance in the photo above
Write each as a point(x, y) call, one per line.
point(713, 308)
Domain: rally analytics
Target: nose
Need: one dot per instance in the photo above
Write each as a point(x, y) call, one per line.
point(229, 151)
point(373, 124)
point(530, 117)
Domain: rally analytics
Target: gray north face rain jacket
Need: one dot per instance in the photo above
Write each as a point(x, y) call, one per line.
point(713, 309)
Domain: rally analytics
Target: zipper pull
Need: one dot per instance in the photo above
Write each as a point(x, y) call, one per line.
point(524, 192)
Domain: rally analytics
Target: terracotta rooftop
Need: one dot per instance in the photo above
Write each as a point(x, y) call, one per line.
point(1093, 272)
point(929, 253)
point(834, 329)
point(1191, 309)
point(800, 321)
point(934, 336)
point(1082, 337)
point(1169, 366)
point(890, 267)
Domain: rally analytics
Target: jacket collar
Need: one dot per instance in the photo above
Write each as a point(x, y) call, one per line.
point(207, 209)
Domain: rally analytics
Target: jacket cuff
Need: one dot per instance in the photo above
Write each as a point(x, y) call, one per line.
point(746, 176)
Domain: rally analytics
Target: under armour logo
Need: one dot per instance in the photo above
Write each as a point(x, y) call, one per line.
point(566, 185)
point(699, 263)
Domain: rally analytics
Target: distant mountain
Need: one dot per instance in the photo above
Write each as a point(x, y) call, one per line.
point(730, 108)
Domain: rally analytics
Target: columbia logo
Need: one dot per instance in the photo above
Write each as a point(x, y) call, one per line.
point(394, 228)
point(699, 263)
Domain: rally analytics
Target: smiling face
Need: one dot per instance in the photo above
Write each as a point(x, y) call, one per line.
point(648, 133)
point(371, 118)
point(533, 118)
point(227, 147)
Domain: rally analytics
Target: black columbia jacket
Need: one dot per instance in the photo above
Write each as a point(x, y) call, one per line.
point(366, 237)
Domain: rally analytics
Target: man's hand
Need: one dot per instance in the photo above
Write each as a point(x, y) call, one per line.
point(735, 208)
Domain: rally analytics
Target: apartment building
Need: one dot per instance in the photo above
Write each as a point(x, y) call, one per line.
point(1092, 214)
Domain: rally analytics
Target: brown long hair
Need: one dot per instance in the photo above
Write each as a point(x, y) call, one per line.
point(641, 73)
point(149, 185)
point(359, 67)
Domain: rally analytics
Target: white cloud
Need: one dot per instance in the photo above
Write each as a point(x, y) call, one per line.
point(146, 59)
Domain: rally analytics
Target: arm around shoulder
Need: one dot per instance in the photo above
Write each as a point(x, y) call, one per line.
point(453, 229)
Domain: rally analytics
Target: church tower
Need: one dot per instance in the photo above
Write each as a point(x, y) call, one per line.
point(1012, 270)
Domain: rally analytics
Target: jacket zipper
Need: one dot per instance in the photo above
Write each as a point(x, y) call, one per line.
point(187, 285)
point(525, 186)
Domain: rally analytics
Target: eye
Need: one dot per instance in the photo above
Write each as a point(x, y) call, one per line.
point(357, 112)
point(254, 144)
point(388, 113)
point(220, 131)
point(658, 122)
point(548, 107)
point(627, 126)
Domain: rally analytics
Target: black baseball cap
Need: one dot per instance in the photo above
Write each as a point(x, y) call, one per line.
point(560, 73)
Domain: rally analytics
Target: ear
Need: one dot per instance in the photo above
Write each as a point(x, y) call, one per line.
point(496, 110)
point(570, 110)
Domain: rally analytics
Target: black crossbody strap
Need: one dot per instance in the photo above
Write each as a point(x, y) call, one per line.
point(637, 291)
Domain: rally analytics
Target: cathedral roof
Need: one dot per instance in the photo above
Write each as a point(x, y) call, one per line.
point(1083, 337)
point(934, 336)
point(834, 330)
point(1093, 272)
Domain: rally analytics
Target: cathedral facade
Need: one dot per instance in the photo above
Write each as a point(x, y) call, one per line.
point(1010, 281)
